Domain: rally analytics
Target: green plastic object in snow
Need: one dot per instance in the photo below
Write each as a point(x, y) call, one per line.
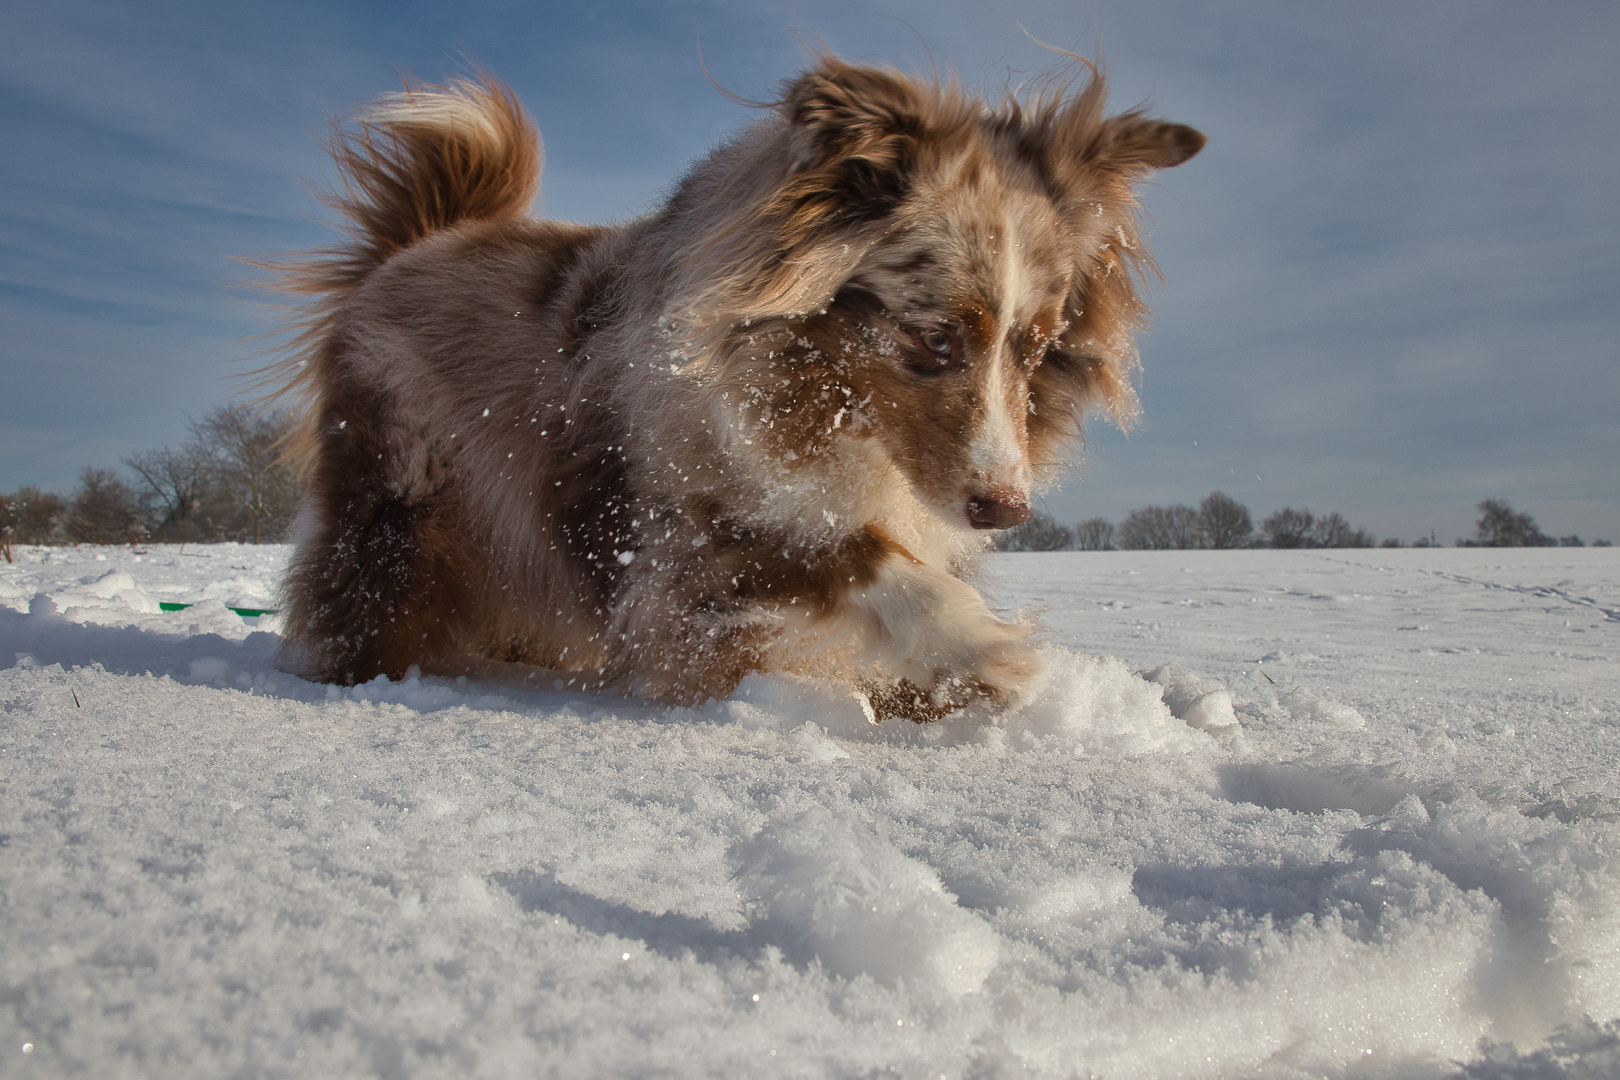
point(245, 612)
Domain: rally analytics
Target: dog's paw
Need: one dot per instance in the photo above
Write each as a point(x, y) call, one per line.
point(1008, 668)
point(905, 700)
point(1001, 676)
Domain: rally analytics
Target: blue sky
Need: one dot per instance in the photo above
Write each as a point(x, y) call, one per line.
point(1393, 278)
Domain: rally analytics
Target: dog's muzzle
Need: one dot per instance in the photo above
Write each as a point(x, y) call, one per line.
point(989, 512)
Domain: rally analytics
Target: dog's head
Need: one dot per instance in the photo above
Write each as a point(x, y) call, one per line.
point(955, 280)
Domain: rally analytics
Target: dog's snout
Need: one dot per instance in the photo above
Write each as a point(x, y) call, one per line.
point(997, 511)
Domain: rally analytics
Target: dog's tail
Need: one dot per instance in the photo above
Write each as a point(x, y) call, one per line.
point(409, 164)
point(419, 161)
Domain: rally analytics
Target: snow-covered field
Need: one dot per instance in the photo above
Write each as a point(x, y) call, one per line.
point(1365, 821)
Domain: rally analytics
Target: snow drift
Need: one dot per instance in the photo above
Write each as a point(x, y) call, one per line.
point(1356, 817)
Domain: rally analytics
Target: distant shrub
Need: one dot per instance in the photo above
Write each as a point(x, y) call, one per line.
point(1160, 528)
point(1039, 533)
point(33, 516)
point(1223, 522)
point(1094, 534)
point(1500, 525)
point(1219, 522)
point(1288, 528)
point(103, 510)
point(1333, 531)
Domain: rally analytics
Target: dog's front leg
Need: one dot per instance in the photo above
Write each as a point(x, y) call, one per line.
point(919, 641)
point(930, 640)
point(680, 631)
point(713, 600)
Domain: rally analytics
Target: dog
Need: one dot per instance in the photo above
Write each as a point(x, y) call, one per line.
point(766, 427)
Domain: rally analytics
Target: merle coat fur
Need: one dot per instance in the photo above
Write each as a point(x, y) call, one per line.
point(766, 427)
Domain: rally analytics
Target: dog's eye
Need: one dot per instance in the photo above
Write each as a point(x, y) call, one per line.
point(938, 351)
point(935, 350)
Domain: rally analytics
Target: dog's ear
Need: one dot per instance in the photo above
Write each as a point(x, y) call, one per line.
point(1078, 137)
point(859, 128)
point(1134, 142)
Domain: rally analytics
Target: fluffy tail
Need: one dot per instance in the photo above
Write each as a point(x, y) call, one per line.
point(410, 164)
point(419, 161)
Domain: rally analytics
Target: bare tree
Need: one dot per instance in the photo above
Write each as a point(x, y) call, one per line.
point(1039, 533)
point(1160, 528)
point(1094, 534)
point(244, 444)
point(1223, 522)
point(103, 510)
point(171, 485)
point(1288, 528)
point(1500, 526)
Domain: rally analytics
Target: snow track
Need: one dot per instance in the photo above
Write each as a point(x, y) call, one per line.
point(1537, 590)
point(1361, 818)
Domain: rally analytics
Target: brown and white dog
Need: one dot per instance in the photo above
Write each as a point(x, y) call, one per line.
point(763, 428)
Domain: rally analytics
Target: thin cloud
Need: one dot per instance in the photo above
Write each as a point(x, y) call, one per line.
point(1390, 278)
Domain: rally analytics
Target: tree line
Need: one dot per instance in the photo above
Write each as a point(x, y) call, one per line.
point(1220, 521)
point(226, 482)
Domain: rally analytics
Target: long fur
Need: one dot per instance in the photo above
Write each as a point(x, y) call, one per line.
point(765, 427)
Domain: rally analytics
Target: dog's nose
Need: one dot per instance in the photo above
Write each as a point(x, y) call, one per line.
point(997, 511)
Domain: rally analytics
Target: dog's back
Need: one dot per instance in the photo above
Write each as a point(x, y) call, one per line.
point(450, 308)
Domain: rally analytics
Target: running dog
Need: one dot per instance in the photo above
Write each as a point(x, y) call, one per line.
point(766, 427)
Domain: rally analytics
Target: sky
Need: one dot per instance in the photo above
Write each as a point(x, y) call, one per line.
point(1392, 279)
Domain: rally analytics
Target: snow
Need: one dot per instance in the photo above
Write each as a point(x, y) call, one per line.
point(1358, 817)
